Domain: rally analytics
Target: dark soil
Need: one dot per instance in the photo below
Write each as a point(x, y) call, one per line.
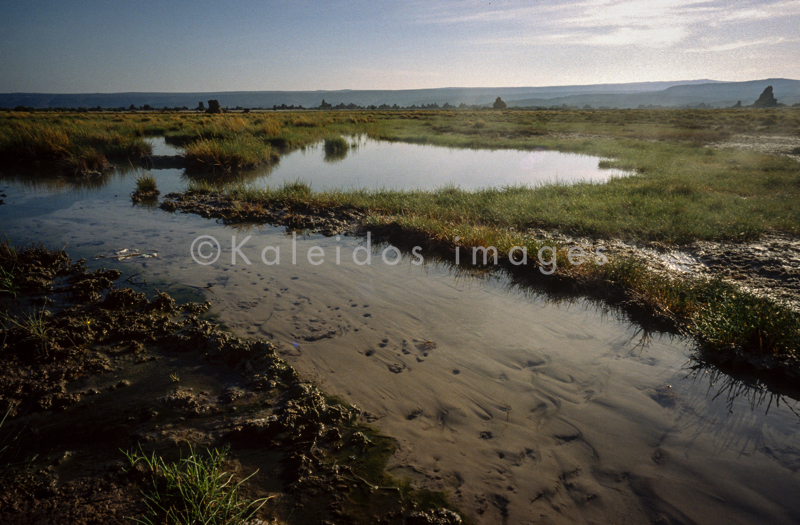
point(328, 221)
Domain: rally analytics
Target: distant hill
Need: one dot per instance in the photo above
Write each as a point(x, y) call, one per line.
point(629, 95)
point(714, 94)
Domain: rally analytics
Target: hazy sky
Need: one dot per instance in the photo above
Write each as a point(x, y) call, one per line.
point(167, 45)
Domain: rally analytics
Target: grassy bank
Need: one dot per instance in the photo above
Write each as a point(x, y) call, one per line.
point(680, 190)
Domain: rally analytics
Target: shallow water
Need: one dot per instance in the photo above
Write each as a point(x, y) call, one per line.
point(373, 164)
point(527, 409)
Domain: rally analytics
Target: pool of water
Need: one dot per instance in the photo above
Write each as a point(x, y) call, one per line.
point(373, 164)
point(525, 408)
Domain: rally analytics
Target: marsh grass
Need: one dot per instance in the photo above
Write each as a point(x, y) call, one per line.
point(34, 326)
point(76, 146)
point(146, 184)
point(236, 153)
point(193, 490)
point(336, 148)
point(336, 144)
point(720, 315)
point(8, 282)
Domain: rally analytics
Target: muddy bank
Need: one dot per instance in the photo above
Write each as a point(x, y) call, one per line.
point(89, 369)
point(328, 221)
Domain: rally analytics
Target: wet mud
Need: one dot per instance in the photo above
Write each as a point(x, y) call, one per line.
point(89, 370)
point(328, 221)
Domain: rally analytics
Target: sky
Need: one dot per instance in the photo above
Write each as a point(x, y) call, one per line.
point(200, 46)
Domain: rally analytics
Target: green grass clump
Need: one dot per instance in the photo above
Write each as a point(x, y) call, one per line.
point(33, 142)
point(239, 152)
point(720, 315)
point(730, 318)
point(193, 490)
point(85, 160)
point(8, 283)
point(35, 328)
point(336, 148)
point(146, 184)
point(336, 144)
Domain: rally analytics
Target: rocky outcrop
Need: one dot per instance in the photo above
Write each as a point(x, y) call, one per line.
point(766, 100)
point(213, 106)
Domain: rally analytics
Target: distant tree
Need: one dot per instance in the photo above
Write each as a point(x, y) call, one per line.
point(201, 106)
point(214, 107)
point(132, 108)
point(499, 104)
point(325, 105)
point(147, 107)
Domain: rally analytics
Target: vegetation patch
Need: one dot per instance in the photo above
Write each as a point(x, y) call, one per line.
point(224, 155)
point(146, 188)
point(193, 490)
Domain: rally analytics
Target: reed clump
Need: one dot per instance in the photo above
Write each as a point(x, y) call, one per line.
point(236, 153)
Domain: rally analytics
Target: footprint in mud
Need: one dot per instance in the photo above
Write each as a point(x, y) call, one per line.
point(659, 456)
point(425, 346)
point(384, 342)
point(528, 454)
point(369, 353)
point(396, 367)
point(414, 414)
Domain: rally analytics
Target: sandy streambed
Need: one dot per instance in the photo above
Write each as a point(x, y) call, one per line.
point(525, 410)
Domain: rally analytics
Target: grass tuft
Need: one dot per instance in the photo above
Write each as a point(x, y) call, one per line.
point(193, 490)
point(236, 153)
point(146, 184)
